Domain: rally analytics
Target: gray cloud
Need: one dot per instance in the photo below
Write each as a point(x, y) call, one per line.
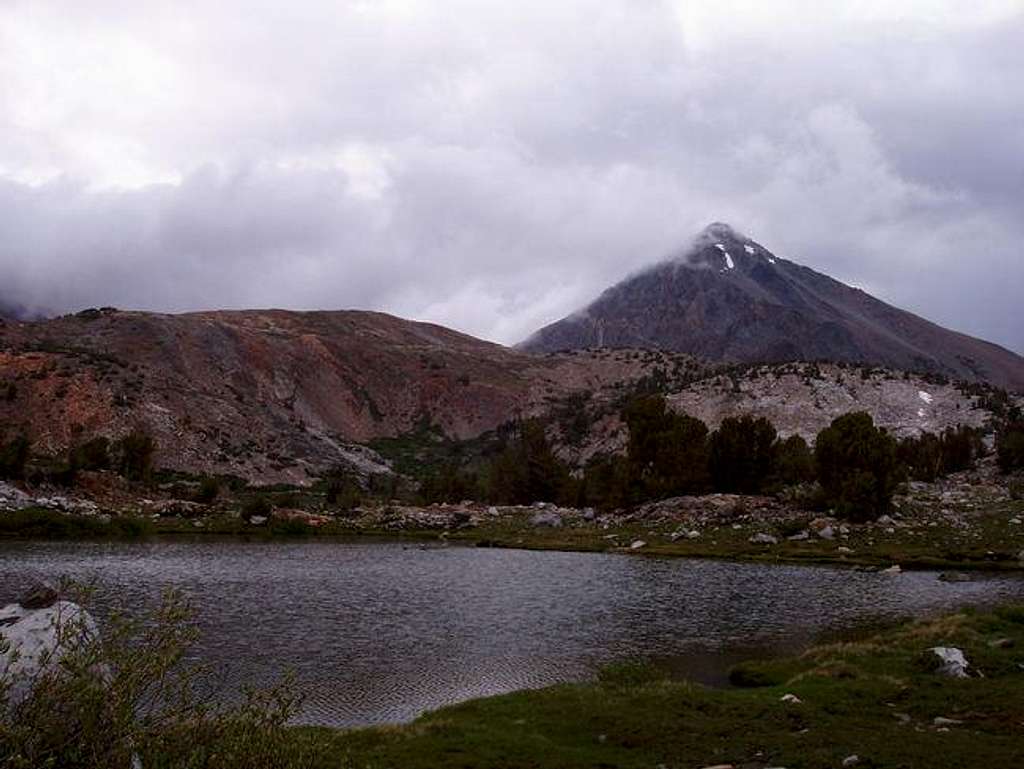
point(493, 167)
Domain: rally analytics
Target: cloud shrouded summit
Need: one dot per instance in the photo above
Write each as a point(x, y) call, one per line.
point(491, 167)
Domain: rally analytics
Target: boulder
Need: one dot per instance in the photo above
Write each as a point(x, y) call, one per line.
point(37, 636)
point(764, 539)
point(952, 662)
point(637, 544)
point(13, 498)
point(546, 518)
point(827, 532)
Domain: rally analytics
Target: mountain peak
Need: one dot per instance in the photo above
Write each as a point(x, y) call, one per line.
point(719, 231)
point(728, 298)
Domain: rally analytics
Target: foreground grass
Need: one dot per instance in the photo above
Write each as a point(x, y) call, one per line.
point(876, 698)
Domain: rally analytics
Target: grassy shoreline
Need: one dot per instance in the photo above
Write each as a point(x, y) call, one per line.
point(877, 697)
point(993, 545)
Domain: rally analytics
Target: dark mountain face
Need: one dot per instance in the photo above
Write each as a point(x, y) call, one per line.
point(728, 298)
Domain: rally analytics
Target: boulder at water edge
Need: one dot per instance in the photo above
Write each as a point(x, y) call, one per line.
point(37, 632)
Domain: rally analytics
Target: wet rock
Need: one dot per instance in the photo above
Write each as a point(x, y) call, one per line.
point(764, 539)
point(952, 662)
point(637, 544)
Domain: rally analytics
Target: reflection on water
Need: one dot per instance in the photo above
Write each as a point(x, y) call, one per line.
point(380, 632)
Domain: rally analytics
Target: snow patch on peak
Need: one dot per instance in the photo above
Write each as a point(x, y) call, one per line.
point(749, 249)
point(728, 261)
point(720, 247)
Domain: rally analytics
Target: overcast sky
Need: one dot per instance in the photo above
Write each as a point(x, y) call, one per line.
point(493, 166)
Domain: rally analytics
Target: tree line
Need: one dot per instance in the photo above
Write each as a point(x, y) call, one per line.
point(857, 466)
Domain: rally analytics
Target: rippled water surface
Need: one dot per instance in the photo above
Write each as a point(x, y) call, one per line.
point(380, 632)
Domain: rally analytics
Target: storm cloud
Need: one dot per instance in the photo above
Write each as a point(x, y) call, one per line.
point(492, 166)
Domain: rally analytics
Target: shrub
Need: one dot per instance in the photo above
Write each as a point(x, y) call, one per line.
point(741, 454)
point(343, 489)
point(40, 523)
point(257, 506)
point(209, 490)
point(92, 455)
point(130, 694)
point(606, 482)
point(1010, 447)
point(13, 456)
point(857, 466)
point(135, 452)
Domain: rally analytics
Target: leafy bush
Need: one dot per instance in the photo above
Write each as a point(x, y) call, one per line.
point(130, 694)
point(857, 466)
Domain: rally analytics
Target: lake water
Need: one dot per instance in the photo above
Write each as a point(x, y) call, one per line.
point(379, 632)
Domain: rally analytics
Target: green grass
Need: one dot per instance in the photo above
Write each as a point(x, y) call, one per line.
point(990, 543)
point(41, 523)
point(871, 697)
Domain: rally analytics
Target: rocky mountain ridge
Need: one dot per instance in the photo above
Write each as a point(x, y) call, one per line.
point(728, 298)
point(276, 396)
